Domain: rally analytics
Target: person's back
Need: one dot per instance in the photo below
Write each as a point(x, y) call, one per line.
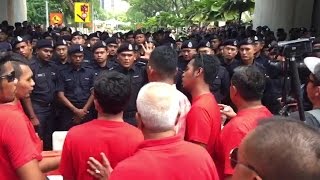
point(162, 157)
point(118, 140)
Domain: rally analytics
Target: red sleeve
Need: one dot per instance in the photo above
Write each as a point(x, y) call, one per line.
point(66, 164)
point(230, 138)
point(198, 126)
point(18, 145)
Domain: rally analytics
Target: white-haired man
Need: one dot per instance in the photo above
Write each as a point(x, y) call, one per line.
point(163, 154)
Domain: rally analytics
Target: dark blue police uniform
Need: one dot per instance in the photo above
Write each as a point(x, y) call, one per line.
point(77, 86)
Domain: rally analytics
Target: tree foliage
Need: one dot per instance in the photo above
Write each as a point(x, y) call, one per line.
point(179, 13)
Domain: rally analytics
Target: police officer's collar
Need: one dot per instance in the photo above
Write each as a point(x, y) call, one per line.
point(82, 67)
point(42, 63)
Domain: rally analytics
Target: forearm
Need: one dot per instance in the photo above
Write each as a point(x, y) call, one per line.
point(89, 102)
point(27, 106)
point(49, 164)
point(66, 101)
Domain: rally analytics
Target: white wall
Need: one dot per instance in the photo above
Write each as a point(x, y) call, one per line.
point(13, 10)
point(283, 13)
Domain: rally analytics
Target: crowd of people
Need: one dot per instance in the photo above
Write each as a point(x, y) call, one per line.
point(144, 105)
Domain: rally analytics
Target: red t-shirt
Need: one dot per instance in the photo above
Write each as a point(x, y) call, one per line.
point(16, 149)
point(118, 140)
point(232, 135)
point(34, 136)
point(204, 121)
point(168, 158)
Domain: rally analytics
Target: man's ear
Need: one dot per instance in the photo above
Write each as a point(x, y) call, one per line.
point(318, 91)
point(139, 120)
point(97, 105)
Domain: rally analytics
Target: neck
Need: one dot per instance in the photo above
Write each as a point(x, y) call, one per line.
point(228, 61)
point(166, 80)
point(200, 89)
point(249, 105)
point(63, 61)
point(111, 117)
point(151, 135)
point(102, 64)
point(29, 57)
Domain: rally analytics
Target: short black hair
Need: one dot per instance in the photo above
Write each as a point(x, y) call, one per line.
point(249, 81)
point(210, 65)
point(283, 148)
point(4, 58)
point(17, 60)
point(164, 60)
point(112, 90)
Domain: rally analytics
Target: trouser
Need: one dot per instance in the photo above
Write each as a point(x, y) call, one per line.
point(45, 114)
point(66, 116)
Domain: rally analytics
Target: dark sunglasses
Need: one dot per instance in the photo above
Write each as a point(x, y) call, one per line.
point(10, 77)
point(234, 160)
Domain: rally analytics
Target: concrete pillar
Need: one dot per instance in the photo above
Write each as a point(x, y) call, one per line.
point(13, 10)
point(283, 13)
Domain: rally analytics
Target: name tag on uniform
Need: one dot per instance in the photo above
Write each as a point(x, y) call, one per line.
point(53, 73)
point(87, 79)
point(68, 79)
point(41, 75)
point(86, 61)
point(135, 76)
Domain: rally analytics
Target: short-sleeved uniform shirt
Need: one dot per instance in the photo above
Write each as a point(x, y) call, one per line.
point(167, 158)
point(76, 84)
point(118, 140)
point(233, 133)
point(16, 147)
point(45, 76)
point(204, 121)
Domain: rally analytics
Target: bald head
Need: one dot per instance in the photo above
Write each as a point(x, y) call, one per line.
point(283, 149)
point(158, 106)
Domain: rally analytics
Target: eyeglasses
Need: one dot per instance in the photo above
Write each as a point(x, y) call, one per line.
point(10, 77)
point(234, 161)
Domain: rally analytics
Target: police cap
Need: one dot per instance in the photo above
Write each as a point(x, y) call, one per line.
point(44, 43)
point(75, 48)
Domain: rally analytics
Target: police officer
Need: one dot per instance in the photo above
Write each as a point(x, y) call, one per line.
point(112, 47)
point(74, 90)
point(229, 53)
point(45, 74)
point(260, 57)
point(137, 73)
point(61, 54)
point(93, 39)
point(247, 54)
point(101, 61)
point(221, 84)
point(23, 46)
point(139, 37)
point(189, 50)
point(78, 38)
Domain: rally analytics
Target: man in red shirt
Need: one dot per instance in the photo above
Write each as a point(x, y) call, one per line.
point(246, 91)
point(24, 88)
point(163, 155)
point(108, 133)
point(162, 67)
point(204, 118)
point(18, 155)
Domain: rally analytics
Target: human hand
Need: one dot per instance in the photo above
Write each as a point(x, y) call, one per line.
point(227, 111)
point(99, 170)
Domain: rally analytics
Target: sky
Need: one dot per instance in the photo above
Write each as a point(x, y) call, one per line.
point(119, 5)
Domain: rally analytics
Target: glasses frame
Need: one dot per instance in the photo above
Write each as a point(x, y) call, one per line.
point(234, 161)
point(9, 77)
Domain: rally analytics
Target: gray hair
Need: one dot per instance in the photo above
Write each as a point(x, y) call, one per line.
point(158, 106)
